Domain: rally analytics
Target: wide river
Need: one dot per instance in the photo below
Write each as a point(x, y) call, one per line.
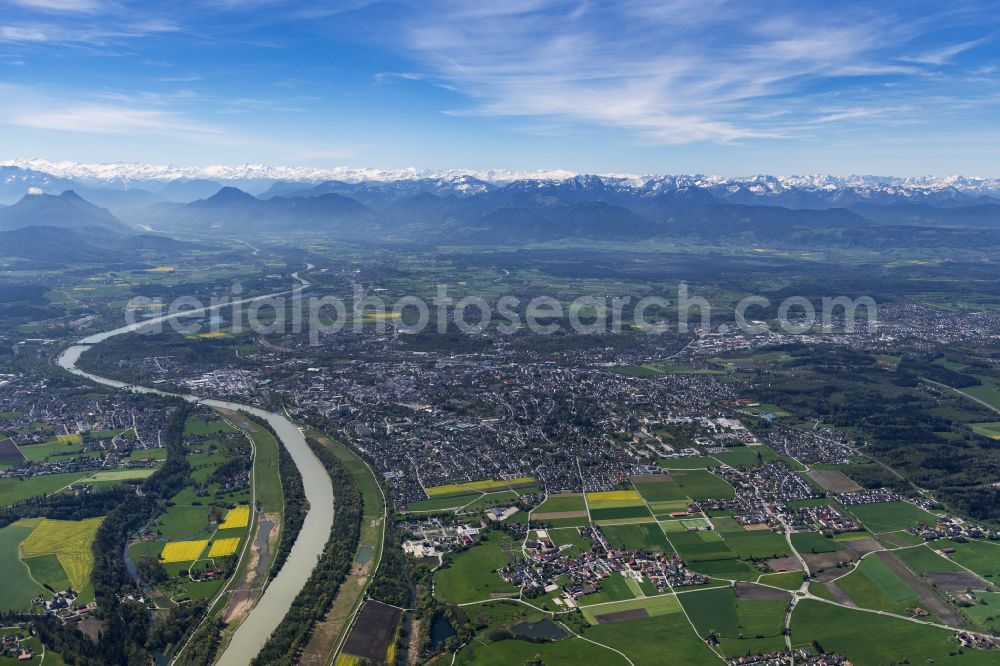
point(277, 598)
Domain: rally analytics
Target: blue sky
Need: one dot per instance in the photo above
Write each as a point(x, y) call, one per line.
point(640, 86)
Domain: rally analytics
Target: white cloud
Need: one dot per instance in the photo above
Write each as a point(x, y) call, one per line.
point(837, 115)
point(673, 71)
point(107, 119)
point(67, 111)
point(943, 55)
point(82, 34)
point(25, 33)
point(73, 6)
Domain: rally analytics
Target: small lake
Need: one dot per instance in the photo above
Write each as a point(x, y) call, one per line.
point(441, 630)
point(545, 630)
point(364, 555)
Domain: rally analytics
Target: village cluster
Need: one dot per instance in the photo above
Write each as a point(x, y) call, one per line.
point(546, 563)
point(52, 430)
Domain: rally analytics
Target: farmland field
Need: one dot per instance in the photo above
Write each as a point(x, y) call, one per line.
point(443, 503)
point(743, 626)
point(561, 503)
point(891, 516)
point(787, 580)
point(645, 536)
point(13, 491)
point(618, 504)
point(758, 544)
point(696, 484)
point(620, 513)
point(224, 547)
point(265, 468)
point(980, 556)
point(988, 392)
point(712, 609)
point(689, 462)
point(613, 498)
point(729, 569)
point(986, 610)
point(991, 430)
point(570, 536)
point(372, 637)
point(701, 546)
point(119, 475)
point(746, 456)
point(664, 604)
point(569, 651)
point(51, 449)
point(197, 425)
point(642, 640)
point(613, 588)
point(236, 518)
point(182, 551)
point(874, 585)
point(70, 541)
point(861, 637)
point(471, 574)
point(484, 486)
point(17, 589)
point(666, 490)
point(814, 542)
point(47, 570)
point(183, 522)
point(503, 498)
point(9, 453)
point(923, 559)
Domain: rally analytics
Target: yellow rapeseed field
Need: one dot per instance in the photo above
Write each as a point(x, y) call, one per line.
point(347, 660)
point(238, 517)
point(70, 541)
point(223, 547)
point(70, 439)
point(484, 486)
point(183, 551)
point(614, 496)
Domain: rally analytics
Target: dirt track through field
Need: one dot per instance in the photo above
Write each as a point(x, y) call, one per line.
point(833, 481)
point(652, 478)
point(839, 595)
point(928, 597)
point(863, 546)
point(955, 581)
point(760, 593)
point(554, 515)
point(622, 616)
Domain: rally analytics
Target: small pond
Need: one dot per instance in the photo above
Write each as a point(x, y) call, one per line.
point(546, 630)
point(441, 630)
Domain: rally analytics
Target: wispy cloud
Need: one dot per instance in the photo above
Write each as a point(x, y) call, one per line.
point(90, 35)
point(25, 33)
point(72, 6)
point(22, 106)
point(673, 72)
point(388, 77)
point(107, 119)
point(837, 115)
point(943, 55)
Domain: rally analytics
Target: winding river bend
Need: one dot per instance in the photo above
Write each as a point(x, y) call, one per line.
point(265, 617)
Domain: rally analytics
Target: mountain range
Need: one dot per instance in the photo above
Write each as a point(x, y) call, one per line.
point(794, 212)
point(54, 229)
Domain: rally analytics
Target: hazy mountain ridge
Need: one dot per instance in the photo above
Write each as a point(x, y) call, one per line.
point(814, 212)
point(124, 173)
point(67, 210)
